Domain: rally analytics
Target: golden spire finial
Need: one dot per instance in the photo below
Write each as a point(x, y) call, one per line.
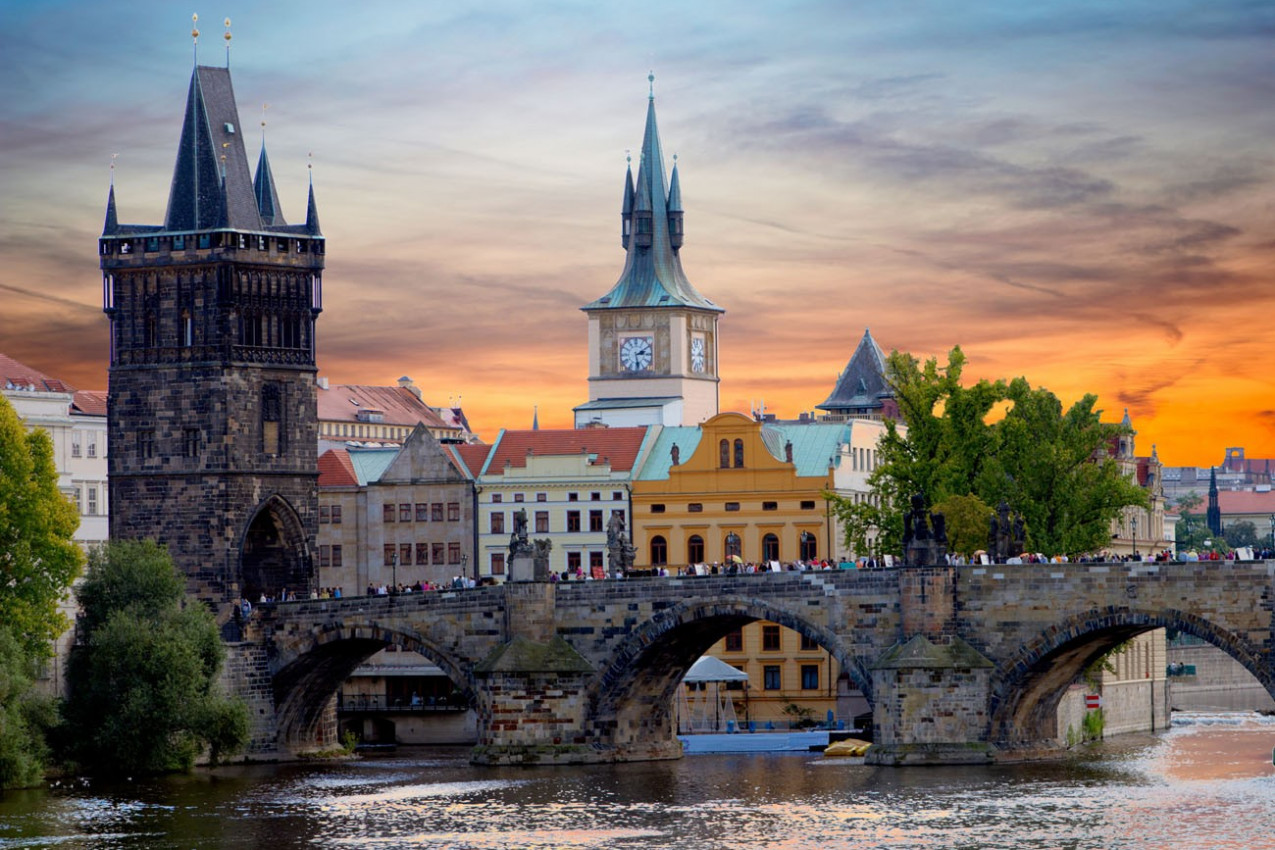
point(264, 107)
point(113, 168)
point(194, 35)
point(227, 37)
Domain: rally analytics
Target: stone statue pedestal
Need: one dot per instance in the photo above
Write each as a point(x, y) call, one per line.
point(522, 568)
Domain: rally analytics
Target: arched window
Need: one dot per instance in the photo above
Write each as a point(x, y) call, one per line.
point(733, 545)
point(809, 546)
point(188, 330)
point(770, 548)
point(723, 448)
point(695, 549)
point(659, 551)
point(739, 453)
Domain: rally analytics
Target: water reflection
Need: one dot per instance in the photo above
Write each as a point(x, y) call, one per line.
point(1209, 784)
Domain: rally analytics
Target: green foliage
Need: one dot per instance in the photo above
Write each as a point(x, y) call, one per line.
point(967, 520)
point(144, 696)
point(1192, 528)
point(1242, 533)
point(1049, 465)
point(23, 716)
point(38, 559)
point(802, 715)
point(1094, 723)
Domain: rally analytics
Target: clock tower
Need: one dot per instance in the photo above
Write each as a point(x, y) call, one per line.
point(652, 337)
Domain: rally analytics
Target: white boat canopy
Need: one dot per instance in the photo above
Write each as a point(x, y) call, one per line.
point(710, 669)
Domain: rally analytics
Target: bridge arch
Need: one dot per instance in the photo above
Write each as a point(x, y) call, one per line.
point(311, 667)
point(1031, 682)
point(632, 698)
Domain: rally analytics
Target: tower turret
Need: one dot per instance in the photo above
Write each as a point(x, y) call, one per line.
point(626, 208)
point(675, 209)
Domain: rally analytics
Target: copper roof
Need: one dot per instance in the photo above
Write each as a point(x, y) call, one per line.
point(619, 446)
point(16, 375)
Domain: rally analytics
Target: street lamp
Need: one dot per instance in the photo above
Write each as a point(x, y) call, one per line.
point(1134, 526)
point(464, 563)
point(394, 580)
point(1273, 531)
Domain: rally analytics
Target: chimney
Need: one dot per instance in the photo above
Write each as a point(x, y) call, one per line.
point(322, 382)
point(406, 383)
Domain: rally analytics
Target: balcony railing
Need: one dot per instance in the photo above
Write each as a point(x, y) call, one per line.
point(378, 703)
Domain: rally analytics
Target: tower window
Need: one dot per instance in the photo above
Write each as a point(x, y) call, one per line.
point(271, 420)
point(190, 442)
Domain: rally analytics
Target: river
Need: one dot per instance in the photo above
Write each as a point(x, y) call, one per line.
point(1208, 783)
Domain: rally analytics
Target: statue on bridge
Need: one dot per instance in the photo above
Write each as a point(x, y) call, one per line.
point(923, 543)
point(521, 566)
point(1006, 534)
point(620, 551)
point(540, 560)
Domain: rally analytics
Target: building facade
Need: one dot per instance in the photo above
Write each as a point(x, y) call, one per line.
point(568, 484)
point(360, 414)
point(653, 337)
point(1138, 530)
point(211, 414)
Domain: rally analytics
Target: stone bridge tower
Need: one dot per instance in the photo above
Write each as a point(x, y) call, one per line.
point(212, 416)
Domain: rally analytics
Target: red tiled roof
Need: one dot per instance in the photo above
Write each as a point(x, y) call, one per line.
point(398, 405)
point(15, 375)
point(620, 446)
point(1246, 502)
point(335, 469)
point(473, 455)
point(89, 403)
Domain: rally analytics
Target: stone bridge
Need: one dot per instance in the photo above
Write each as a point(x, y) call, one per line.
point(960, 664)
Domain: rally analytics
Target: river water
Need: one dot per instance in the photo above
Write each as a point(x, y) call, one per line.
point(1208, 783)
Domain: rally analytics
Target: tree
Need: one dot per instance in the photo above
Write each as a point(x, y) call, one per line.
point(1242, 533)
point(966, 520)
point(1192, 530)
point(1049, 465)
point(23, 716)
point(38, 558)
point(143, 684)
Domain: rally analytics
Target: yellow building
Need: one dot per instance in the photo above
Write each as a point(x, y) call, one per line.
point(735, 489)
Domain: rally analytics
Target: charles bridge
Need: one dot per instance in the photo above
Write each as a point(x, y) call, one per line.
point(960, 663)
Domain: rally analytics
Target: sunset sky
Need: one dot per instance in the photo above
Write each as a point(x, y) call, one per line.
point(1079, 192)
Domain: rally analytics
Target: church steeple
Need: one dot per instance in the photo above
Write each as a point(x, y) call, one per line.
point(112, 224)
point(264, 189)
point(626, 208)
point(1213, 514)
point(652, 275)
point(312, 214)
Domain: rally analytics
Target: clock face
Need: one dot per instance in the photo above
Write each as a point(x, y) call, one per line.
point(697, 354)
point(636, 353)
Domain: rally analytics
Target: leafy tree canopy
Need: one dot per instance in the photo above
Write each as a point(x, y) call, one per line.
point(143, 686)
point(1050, 465)
point(23, 716)
point(1241, 533)
point(38, 558)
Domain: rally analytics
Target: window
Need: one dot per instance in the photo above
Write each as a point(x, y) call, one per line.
point(617, 496)
point(595, 497)
point(498, 563)
point(808, 504)
point(808, 644)
point(595, 560)
point(453, 553)
point(770, 506)
point(809, 546)
point(75, 448)
point(422, 554)
point(422, 512)
point(573, 520)
point(810, 677)
point(388, 555)
point(336, 556)
point(325, 556)
point(271, 420)
point(573, 497)
point(659, 551)
point(91, 492)
point(404, 513)
point(770, 548)
point(695, 549)
point(770, 677)
point(739, 453)
point(92, 449)
point(573, 562)
point(453, 511)
point(387, 513)
point(734, 548)
point(497, 498)
point(190, 442)
point(732, 506)
point(518, 497)
point(75, 496)
point(336, 516)
point(542, 522)
point(723, 451)
point(735, 641)
point(497, 523)
point(657, 509)
point(325, 514)
point(770, 639)
point(439, 551)
point(405, 554)
point(595, 520)
point(542, 497)
point(695, 508)
point(145, 444)
point(436, 511)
